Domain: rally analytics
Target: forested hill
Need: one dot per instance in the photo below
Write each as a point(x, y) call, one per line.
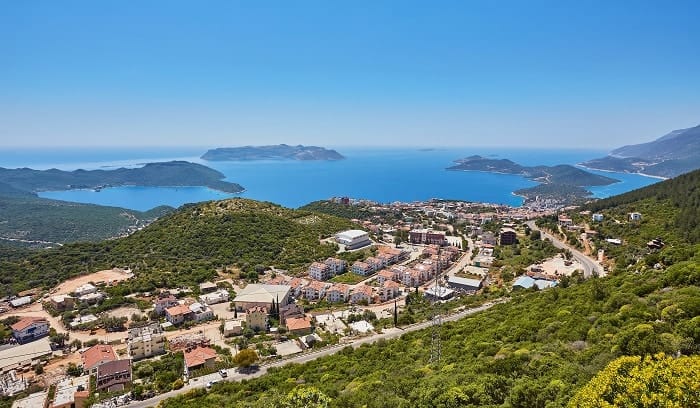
point(542, 348)
point(164, 174)
point(682, 196)
point(187, 246)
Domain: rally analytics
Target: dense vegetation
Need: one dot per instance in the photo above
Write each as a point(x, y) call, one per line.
point(348, 211)
point(683, 195)
point(185, 247)
point(27, 217)
point(274, 152)
point(538, 350)
point(534, 351)
point(174, 173)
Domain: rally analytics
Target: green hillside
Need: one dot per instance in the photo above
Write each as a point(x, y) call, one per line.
point(26, 217)
point(186, 247)
point(537, 350)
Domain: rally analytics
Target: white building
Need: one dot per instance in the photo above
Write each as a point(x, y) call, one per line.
point(29, 329)
point(219, 296)
point(85, 289)
point(146, 341)
point(320, 271)
point(353, 239)
point(597, 217)
point(635, 216)
point(201, 312)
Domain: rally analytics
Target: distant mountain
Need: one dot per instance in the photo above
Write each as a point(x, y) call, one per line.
point(164, 174)
point(276, 152)
point(668, 156)
point(563, 184)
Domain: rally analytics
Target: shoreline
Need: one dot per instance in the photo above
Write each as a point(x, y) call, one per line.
point(623, 172)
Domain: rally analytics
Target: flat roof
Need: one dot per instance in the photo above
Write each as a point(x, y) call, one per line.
point(464, 281)
point(261, 293)
point(65, 390)
point(35, 400)
point(25, 352)
point(351, 234)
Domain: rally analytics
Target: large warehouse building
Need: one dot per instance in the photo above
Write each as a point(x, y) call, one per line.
point(353, 239)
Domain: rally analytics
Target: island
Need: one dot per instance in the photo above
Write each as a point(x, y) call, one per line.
point(673, 154)
point(274, 152)
point(162, 174)
point(559, 185)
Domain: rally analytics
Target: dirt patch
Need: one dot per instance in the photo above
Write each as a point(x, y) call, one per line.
point(109, 277)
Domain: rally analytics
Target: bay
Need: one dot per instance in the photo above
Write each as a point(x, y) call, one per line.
point(379, 174)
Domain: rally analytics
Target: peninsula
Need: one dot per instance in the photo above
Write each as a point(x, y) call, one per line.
point(163, 174)
point(560, 184)
point(668, 156)
point(273, 152)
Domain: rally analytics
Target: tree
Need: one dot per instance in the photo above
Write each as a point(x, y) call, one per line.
point(245, 358)
point(74, 370)
point(307, 397)
point(396, 315)
point(657, 381)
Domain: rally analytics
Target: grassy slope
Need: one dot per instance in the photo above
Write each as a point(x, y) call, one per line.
point(186, 246)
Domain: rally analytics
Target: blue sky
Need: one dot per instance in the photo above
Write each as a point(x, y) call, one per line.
point(468, 73)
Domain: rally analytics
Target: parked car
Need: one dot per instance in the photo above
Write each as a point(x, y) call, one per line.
point(223, 373)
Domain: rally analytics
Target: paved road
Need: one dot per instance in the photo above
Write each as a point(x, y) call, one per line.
point(589, 265)
point(233, 375)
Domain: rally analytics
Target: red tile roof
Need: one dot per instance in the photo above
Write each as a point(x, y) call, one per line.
point(26, 322)
point(178, 310)
point(298, 323)
point(199, 356)
point(98, 354)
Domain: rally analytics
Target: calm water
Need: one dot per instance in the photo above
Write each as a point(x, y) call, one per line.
point(383, 175)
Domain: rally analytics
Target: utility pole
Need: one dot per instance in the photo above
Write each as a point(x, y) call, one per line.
point(436, 348)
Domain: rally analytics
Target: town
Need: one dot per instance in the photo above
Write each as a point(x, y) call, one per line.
point(71, 347)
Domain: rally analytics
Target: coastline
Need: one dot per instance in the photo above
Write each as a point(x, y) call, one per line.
point(622, 172)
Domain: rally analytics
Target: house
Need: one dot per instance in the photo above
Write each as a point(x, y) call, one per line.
point(299, 325)
point(297, 286)
point(178, 314)
point(62, 302)
point(201, 312)
point(290, 310)
point(565, 221)
point(85, 289)
point(353, 239)
point(338, 293)
point(233, 328)
point(261, 295)
point(199, 357)
point(95, 356)
point(92, 298)
point(464, 284)
point(375, 263)
point(597, 217)
point(164, 302)
point(337, 265)
point(315, 290)
point(385, 275)
point(113, 375)
point(212, 298)
point(487, 238)
point(29, 329)
point(361, 293)
point(70, 392)
point(320, 271)
point(388, 290)
point(83, 320)
point(635, 216)
point(147, 341)
point(207, 287)
point(426, 236)
point(362, 268)
point(507, 236)
point(256, 318)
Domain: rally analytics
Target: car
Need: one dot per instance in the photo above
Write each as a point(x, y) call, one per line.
point(210, 383)
point(223, 373)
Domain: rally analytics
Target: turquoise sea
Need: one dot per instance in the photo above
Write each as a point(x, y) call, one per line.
point(380, 174)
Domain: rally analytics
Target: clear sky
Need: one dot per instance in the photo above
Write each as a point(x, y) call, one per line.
point(435, 73)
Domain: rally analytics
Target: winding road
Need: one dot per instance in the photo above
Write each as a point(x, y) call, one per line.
point(590, 267)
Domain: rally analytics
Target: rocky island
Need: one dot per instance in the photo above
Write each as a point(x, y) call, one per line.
point(163, 174)
point(559, 185)
point(273, 152)
point(668, 156)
